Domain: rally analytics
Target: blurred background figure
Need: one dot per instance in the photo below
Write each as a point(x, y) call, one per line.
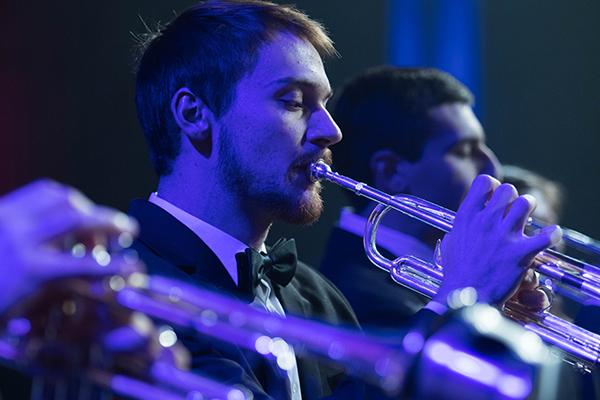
point(411, 131)
point(550, 198)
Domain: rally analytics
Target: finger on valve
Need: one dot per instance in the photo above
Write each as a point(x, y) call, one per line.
point(500, 201)
point(478, 195)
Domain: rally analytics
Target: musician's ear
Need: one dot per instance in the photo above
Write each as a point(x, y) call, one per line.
point(192, 116)
point(388, 171)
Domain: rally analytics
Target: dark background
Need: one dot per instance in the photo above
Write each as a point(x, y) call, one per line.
point(67, 112)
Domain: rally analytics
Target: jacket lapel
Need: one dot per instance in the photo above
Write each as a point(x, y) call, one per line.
point(175, 243)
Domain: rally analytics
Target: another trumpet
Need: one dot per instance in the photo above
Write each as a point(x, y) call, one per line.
point(452, 352)
point(581, 346)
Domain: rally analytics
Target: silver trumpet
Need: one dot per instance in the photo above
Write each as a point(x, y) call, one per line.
point(581, 279)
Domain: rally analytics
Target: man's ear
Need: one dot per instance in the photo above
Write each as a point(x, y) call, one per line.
point(390, 172)
point(192, 116)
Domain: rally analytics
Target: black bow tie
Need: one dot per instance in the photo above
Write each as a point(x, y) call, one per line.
point(278, 265)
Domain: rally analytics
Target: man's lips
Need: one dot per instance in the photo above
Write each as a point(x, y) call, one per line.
point(302, 170)
point(307, 161)
point(302, 166)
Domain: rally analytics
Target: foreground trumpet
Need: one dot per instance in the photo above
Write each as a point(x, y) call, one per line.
point(515, 372)
point(60, 335)
point(582, 347)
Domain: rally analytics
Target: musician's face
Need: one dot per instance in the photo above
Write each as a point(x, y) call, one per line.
point(455, 155)
point(276, 125)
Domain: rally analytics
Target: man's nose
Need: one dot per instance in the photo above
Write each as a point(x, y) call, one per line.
point(489, 163)
point(323, 131)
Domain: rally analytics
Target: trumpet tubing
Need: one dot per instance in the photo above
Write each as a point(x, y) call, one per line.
point(581, 346)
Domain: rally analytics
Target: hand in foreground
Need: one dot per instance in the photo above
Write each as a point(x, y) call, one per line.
point(487, 248)
point(39, 223)
point(39, 226)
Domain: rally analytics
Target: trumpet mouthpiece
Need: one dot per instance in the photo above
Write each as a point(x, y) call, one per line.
point(318, 170)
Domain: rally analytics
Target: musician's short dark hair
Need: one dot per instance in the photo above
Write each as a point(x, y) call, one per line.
point(386, 107)
point(208, 48)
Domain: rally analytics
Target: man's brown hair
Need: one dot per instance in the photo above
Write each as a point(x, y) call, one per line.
point(208, 48)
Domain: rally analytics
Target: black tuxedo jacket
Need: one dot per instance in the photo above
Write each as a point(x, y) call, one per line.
point(169, 248)
point(377, 300)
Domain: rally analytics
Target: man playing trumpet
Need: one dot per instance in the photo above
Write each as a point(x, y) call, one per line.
point(232, 96)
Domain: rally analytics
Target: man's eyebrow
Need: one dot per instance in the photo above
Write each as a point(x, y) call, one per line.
point(303, 83)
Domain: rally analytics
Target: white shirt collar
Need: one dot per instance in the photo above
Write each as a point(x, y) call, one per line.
point(392, 240)
point(222, 244)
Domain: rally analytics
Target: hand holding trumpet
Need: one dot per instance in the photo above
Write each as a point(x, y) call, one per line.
point(488, 250)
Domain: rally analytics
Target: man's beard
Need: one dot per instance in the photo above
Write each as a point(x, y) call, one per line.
point(280, 200)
